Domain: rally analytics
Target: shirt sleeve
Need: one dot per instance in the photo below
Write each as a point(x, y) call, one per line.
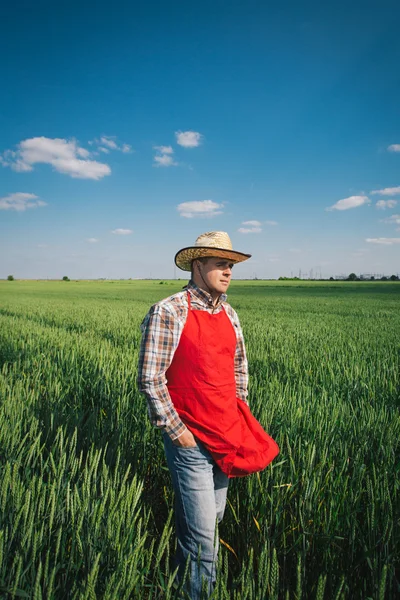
point(160, 337)
point(241, 366)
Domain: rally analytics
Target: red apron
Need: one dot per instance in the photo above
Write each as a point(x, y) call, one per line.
point(202, 386)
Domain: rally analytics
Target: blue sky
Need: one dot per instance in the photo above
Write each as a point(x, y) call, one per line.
point(127, 129)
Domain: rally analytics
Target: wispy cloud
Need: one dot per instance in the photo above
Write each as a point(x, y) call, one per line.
point(254, 226)
point(384, 241)
point(164, 160)
point(109, 142)
point(394, 148)
point(384, 204)
point(122, 231)
point(20, 202)
point(199, 208)
point(251, 227)
point(350, 202)
point(65, 156)
point(188, 139)
point(164, 156)
point(392, 220)
point(164, 149)
point(92, 240)
point(392, 191)
point(252, 223)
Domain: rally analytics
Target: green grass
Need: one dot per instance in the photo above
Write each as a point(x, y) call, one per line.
point(84, 492)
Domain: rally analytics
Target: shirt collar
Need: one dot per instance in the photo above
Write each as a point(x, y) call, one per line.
point(203, 296)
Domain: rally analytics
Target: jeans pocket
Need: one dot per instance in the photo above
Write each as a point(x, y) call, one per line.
point(186, 448)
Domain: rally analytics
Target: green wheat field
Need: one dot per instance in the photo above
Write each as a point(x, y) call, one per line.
point(85, 496)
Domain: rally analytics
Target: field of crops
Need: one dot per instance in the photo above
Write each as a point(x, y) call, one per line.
point(85, 497)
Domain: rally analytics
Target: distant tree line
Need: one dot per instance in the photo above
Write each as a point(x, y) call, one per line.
point(351, 277)
point(12, 278)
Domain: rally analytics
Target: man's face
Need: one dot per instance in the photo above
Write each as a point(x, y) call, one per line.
point(217, 273)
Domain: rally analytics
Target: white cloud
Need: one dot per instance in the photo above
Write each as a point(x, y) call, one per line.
point(164, 149)
point(252, 223)
point(92, 240)
point(12, 159)
point(394, 148)
point(106, 143)
point(20, 202)
point(200, 208)
point(393, 220)
point(249, 230)
point(163, 157)
point(62, 154)
point(254, 226)
point(385, 241)
point(393, 191)
point(383, 204)
point(188, 139)
point(164, 160)
point(122, 231)
point(83, 152)
point(350, 202)
point(251, 227)
point(295, 250)
point(109, 141)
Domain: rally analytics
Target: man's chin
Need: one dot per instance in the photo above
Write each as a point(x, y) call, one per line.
point(223, 288)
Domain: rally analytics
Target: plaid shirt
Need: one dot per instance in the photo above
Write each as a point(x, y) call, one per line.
point(161, 331)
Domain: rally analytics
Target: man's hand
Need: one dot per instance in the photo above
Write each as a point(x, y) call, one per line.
point(186, 440)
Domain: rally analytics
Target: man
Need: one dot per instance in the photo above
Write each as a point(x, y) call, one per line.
point(193, 371)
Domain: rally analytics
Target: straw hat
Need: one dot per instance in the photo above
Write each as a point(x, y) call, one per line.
point(212, 243)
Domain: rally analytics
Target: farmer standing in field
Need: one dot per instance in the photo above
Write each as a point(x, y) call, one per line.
point(193, 371)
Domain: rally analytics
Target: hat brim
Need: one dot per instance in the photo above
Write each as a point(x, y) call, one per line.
point(183, 258)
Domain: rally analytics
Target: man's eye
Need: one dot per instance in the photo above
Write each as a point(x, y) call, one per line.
point(224, 265)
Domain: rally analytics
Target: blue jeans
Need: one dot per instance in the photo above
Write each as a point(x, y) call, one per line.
point(200, 496)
